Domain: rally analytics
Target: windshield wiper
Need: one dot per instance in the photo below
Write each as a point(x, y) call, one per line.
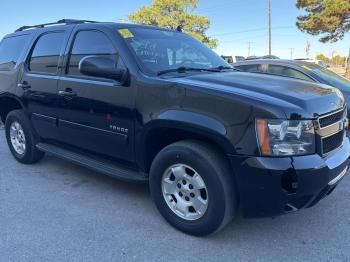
point(184, 69)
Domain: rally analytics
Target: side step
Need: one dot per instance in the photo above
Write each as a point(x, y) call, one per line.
point(99, 165)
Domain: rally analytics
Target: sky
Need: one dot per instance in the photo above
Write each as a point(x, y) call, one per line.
point(234, 23)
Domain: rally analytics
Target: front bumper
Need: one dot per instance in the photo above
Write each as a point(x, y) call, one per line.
point(271, 186)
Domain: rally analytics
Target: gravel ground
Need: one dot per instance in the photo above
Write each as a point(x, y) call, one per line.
point(56, 211)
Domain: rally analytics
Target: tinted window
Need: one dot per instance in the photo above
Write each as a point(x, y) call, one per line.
point(10, 50)
point(46, 53)
point(90, 43)
point(287, 71)
point(249, 68)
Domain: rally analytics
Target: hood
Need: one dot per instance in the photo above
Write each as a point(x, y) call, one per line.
point(297, 98)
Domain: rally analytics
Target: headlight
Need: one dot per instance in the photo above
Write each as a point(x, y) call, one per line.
point(285, 137)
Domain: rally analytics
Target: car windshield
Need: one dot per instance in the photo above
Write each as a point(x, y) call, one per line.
point(331, 78)
point(159, 51)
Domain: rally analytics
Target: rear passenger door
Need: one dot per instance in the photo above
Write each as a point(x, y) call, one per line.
point(38, 83)
point(95, 114)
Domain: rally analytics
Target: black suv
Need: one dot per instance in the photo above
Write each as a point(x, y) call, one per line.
point(148, 104)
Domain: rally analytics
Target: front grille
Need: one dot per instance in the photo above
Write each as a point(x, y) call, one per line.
point(332, 142)
point(331, 119)
point(330, 131)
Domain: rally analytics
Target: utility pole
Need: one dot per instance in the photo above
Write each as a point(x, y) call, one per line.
point(308, 48)
point(249, 47)
point(270, 31)
point(291, 52)
point(347, 73)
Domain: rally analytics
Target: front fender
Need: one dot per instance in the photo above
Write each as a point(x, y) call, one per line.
point(195, 120)
point(192, 125)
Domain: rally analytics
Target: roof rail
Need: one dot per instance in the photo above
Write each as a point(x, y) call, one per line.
point(62, 21)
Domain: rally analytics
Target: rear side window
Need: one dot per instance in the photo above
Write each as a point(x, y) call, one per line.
point(10, 51)
point(46, 53)
point(89, 43)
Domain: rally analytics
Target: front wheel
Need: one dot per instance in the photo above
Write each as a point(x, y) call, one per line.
point(193, 187)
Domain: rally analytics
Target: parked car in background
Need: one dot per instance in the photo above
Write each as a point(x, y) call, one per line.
point(232, 59)
point(314, 61)
point(300, 70)
point(262, 57)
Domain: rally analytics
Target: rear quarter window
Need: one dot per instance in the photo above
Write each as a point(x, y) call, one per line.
point(11, 49)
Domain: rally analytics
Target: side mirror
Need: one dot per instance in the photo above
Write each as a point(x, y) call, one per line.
point(99, 66)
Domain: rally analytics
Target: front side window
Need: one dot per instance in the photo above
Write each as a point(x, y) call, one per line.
point(10, 51)
point(160, 50)
point(46, 53)
point(89, 43)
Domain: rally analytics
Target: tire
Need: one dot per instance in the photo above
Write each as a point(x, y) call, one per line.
point(218, 201)
point(27, 154)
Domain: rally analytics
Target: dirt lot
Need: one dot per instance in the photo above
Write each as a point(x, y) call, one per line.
point(338, 70)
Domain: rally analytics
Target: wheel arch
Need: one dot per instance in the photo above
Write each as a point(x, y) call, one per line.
point(8, 103)
point(174, 126)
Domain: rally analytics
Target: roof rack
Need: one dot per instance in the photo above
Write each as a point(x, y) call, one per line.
point(62, 21)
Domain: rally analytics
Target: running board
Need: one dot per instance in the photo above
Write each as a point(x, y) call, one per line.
point(99, 165)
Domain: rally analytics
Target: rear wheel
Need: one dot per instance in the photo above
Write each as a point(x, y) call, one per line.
point(193, 187)
point(20, 138)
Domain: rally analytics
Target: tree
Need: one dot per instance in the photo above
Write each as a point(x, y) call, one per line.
point(174, 13)
point(335, 60)
point(328, 18)
point(323, 58)
point(338, 60)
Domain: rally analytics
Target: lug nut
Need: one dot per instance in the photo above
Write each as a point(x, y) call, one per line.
point(187, 198)
point(190, 186)
point(192, 195)
point(184, 182)
point(179, 185)
point(180, 194)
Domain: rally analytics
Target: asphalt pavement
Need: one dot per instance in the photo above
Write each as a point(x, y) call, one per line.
point(56, 211)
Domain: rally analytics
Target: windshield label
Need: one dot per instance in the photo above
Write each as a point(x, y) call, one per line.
point(125, 33)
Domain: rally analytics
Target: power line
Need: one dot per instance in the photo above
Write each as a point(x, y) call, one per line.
point(213, 7)
point(243, 39)
point(251, 30)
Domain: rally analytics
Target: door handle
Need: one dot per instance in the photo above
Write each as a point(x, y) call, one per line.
point(24, 85)
point(67, 92)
